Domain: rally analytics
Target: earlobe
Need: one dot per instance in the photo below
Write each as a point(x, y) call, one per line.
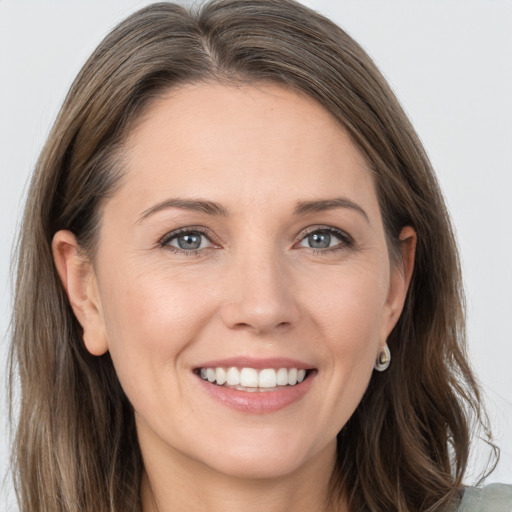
point(401, 274)
point(79, 280)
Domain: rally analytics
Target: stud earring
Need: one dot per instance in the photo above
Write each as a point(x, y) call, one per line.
point(383, 359)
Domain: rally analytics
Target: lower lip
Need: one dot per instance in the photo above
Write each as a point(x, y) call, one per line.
point(258, 402)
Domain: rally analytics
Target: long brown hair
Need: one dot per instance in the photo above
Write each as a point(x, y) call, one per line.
point(406, 446)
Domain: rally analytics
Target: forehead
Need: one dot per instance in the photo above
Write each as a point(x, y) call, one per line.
point(268, 141)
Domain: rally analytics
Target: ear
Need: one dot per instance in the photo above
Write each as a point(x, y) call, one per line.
point(79, 280)
point(401, 273)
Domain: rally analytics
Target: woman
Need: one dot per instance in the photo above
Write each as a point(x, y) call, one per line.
point(233, 228)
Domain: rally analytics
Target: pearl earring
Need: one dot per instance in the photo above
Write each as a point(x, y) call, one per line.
point(383, 359)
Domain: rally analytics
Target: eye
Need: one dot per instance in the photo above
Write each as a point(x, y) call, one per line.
point(186, 241)
point(325, 238)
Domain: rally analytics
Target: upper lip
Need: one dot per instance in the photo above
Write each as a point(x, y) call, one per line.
point(256, 363)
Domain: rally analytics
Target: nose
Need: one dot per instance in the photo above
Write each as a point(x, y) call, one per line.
point(259, 296)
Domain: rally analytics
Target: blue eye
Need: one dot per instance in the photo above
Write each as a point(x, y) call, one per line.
point(324, 238)
point(187, 241)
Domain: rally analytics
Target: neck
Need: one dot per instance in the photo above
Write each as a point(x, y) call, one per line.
point(192, 487)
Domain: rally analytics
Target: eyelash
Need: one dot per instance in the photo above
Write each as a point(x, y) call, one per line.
point(347, 241)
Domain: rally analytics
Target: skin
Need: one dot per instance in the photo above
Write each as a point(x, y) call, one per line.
point(255, 288)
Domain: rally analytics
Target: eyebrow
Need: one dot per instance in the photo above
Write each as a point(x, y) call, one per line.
point(321, 205)
point(194, 205)
point(212, 208)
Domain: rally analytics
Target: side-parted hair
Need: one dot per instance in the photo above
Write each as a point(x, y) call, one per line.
point(406, 446)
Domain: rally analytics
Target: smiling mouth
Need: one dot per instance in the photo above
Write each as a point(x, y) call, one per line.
point(251, 379)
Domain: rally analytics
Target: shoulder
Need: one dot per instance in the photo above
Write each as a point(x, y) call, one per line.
point(492, 498)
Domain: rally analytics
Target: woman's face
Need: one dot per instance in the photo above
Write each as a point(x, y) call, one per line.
point(245, 242)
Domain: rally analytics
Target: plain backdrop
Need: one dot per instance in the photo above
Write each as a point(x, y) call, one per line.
point(449, 62)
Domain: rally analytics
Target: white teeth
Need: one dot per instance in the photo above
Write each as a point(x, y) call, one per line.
point(251, 379)
point(267, 378)
point(221, 376)
point(233, 377)
point(282, 377)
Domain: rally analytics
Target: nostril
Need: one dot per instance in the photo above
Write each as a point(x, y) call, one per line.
point(241, 326)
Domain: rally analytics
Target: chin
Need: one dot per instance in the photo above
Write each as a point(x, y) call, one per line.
point(259, 467)
point(265, 458)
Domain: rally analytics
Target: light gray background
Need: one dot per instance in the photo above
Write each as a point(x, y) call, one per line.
point(450, 63)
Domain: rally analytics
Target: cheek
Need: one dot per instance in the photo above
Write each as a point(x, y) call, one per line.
point(345, 309)
point(151, 307)
point(350, 306)
point(348, 317)
point(149, 320)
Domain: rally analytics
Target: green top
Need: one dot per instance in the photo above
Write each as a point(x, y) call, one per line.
point(492, 498)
